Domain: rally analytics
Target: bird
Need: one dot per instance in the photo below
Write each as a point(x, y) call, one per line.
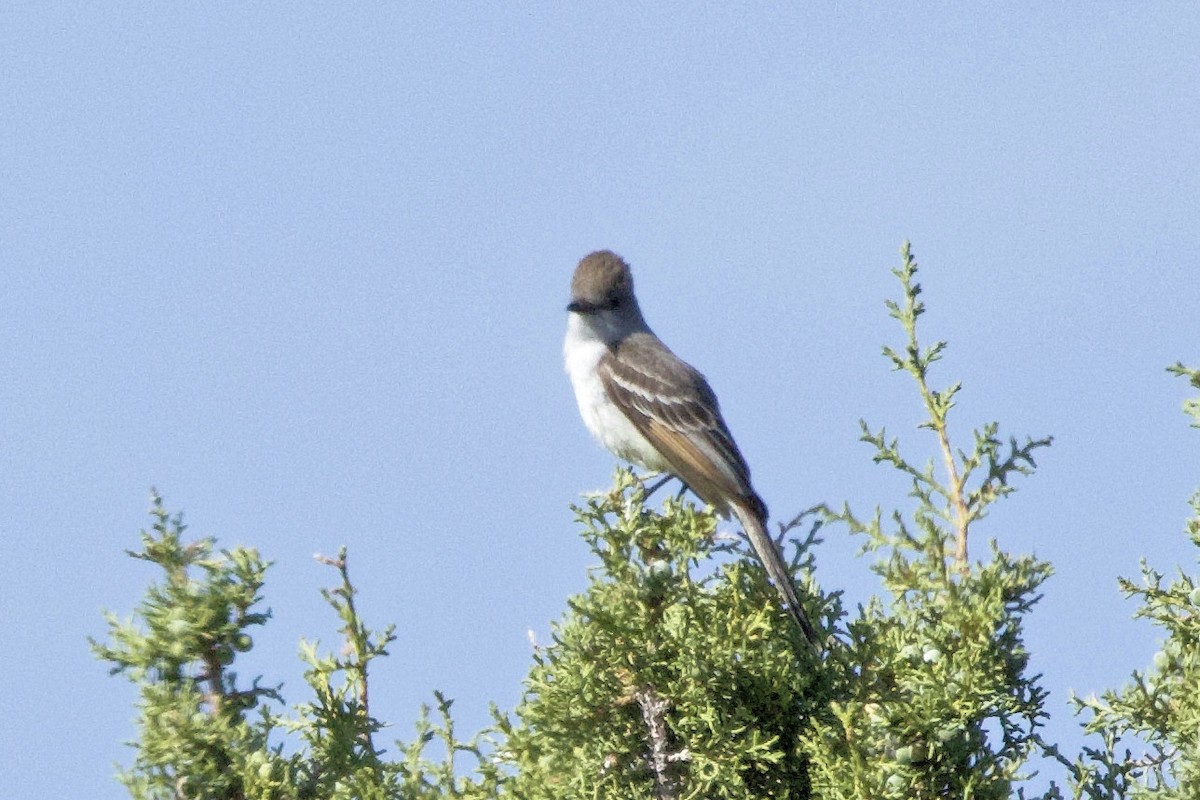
point(647, 406)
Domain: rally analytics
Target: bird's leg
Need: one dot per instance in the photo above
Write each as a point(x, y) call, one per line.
point(658, 484)
point(683, 487)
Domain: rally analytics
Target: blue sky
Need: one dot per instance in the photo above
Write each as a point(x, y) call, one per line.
point(303, 268)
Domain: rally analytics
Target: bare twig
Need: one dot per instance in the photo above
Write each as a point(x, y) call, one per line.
point(659, 757)
point(962, 514)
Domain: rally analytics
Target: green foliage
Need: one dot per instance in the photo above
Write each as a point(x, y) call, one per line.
point(677, 675)
point(935, 699)
point(195, 738)
point(1191, 406)
point(666, 680)
point(205, 735)
point(1157, 714)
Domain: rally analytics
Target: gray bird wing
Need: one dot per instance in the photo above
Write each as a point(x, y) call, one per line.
point(672, 405)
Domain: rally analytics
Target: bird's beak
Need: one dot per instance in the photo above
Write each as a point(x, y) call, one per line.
point(580, 307)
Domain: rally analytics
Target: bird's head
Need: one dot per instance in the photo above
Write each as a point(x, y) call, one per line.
point(602, 296)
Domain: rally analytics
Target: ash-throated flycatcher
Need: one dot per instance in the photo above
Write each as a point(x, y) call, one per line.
point(647, 406)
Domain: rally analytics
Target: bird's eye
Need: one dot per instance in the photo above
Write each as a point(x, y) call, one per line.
point(614, 300)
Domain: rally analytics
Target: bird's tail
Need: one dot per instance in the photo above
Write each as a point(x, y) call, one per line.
point(768, 553)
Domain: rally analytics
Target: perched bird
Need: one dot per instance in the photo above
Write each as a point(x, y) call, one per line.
point(647, 406)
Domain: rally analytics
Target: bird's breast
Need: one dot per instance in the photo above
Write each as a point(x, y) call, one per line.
point(603, 418)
